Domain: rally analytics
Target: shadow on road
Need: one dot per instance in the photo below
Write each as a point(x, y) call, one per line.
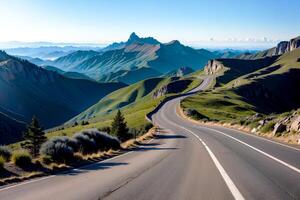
point(95, 166)
point(170, 136)
point(153, 149)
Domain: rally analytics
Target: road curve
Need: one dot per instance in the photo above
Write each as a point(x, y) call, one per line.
point(186, 161)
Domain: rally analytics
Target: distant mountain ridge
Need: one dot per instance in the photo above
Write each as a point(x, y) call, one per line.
point(137, 55)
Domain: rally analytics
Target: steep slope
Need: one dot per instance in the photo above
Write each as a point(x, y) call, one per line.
point(69, 61)
point(53, 98)
point(75, 75)
point(120, 98)
point(229, 69)
point(10, 129)
point(271, 88)
point(136, 100)
point(182, 71)
point(131, 76)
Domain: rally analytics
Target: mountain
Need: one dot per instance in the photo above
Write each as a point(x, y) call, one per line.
point(10, 129)
point(71, 60)
point(133, 38)
point(131, 76)
point(53, 98)
point(136, 100)
point(120, 98)
point(281, 48)
point(182, 71)
point(74, 75)
point(136, 59)
point(46, 52)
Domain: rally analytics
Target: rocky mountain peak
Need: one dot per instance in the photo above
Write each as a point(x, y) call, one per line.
point(3, 55)
point(133, 37)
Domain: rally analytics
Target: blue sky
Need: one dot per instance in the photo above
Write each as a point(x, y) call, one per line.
point(191, 21)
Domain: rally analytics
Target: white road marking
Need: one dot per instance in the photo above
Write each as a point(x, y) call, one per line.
point(231, 186)
point(75, 169)
point(268, 140)
point(258, 150)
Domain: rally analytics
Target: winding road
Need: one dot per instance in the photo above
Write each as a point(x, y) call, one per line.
point(185, 161)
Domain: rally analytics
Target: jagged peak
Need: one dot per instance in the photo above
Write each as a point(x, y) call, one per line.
point(174, 42)
point(3, 55)
point(133, 37)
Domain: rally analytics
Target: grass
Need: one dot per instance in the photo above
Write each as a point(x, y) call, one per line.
point(220, 105)
point(268, 127)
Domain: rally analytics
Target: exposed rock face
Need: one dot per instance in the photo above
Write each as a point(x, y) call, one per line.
point(286, 46)
point(279, 128)
point(295, 126)
point(173, 87)
point(213, 67)
point(281, 48)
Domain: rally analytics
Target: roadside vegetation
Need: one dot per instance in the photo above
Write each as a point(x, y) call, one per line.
point(38, 155)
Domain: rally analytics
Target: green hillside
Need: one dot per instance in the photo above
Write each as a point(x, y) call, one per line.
point(135, 101)
point(266, 89)
point(136, 93)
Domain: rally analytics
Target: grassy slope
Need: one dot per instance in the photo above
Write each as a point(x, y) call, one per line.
point(134, 111)
point(228, 102)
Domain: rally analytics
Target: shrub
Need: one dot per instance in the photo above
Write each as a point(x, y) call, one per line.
point(85, 144)
point(59, 149)
point(102, 140)
point(5, 153)
point(21, 158)
point(268, 127)
point(2, 161)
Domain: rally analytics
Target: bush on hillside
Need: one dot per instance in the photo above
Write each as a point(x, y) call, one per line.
point(21, 158)
point(86, 145)
point(5, 153)
point(102, 140)
point(59, 149)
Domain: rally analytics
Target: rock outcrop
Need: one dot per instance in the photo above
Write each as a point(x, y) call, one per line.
point(279, 128)
point(287, 46)
point(295, 125)
point(213, 67)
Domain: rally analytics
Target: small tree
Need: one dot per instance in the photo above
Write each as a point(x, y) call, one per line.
point(119, 127)
point(34, 137)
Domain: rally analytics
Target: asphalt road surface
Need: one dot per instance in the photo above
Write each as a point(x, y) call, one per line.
point(186, 161)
